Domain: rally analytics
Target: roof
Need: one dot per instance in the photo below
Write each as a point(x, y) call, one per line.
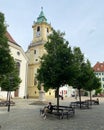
point(10, 39)
point(99, 67)
point(41, 17)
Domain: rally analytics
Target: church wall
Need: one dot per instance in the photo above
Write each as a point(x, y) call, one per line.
point(21, 58)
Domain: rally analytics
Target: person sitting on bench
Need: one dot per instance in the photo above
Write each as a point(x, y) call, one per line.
point(47, 109)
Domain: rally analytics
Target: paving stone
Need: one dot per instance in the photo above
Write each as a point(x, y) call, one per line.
point(24, 116)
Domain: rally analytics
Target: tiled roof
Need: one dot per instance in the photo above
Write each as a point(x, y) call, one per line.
point(99, 67)
point(10, 39)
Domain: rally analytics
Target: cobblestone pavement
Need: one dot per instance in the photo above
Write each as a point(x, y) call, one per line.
point(24, 116)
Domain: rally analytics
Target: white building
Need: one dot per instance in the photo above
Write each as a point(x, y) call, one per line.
point(99, 72)
point(67, 91)
point(22, 63)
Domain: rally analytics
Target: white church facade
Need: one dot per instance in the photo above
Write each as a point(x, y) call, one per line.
point(22, 63)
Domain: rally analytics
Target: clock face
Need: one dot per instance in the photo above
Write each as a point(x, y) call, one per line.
point(38, 33)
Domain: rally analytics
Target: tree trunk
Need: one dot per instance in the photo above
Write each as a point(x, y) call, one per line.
point(9, 96)
point(90, 98)
point(57, 99)
point(80, 97)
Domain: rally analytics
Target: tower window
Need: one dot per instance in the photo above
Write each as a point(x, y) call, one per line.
point(34, 51)
point(47, 30)
point(38, 31)
point(38, 28)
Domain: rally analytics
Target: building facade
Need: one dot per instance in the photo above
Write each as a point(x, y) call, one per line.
point(67, 91)
point(99, 72)
point(22, 64)
point(41, 29)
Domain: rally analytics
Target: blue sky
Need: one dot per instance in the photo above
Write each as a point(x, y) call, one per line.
point(81, 20)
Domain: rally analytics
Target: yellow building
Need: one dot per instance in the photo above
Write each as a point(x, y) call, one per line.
point(41, 29)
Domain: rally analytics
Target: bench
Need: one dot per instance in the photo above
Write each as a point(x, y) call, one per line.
point(67, 111)
point(61, 112)
point(93, 102)
point(5, 103)
point(54, 112)
point(76, 104)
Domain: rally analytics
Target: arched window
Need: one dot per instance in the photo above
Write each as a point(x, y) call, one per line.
point(18, 67)
point(47, 30)
point(34, 51)
point(38, 31)
point(38, 28)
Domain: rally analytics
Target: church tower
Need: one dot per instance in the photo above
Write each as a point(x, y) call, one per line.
point(41, 29)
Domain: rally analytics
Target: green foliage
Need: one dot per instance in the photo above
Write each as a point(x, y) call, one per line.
point(98, 91)
point(79, 61)
point(85, 77)
point(91, 81)
point(11, 81)
point(86, 93)
point(57, 66)
point(6, 61)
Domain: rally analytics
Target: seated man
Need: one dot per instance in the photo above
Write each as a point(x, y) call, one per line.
point(97, 101)
point(47, 109)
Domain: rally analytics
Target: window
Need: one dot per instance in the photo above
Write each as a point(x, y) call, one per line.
point(34, 51)
point(99, 73)
point(35, 81)
point(102, 79)
point(38, 31)
point(18, 67)
point(47, 30)
point(96, 73)
point(18, 53)
point(38, 28)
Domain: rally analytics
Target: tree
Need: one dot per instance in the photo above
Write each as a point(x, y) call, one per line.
point(79, 62)
point(9, 79)
point(86, 78)
point(6, 60)
point(10, 83)
point(98, 91)
point(92, 82)
point(57, 66)
point(7, 63)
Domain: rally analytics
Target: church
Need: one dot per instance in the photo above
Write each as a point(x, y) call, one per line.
point(41, 29)
point(22, 65)
point(28, 62)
